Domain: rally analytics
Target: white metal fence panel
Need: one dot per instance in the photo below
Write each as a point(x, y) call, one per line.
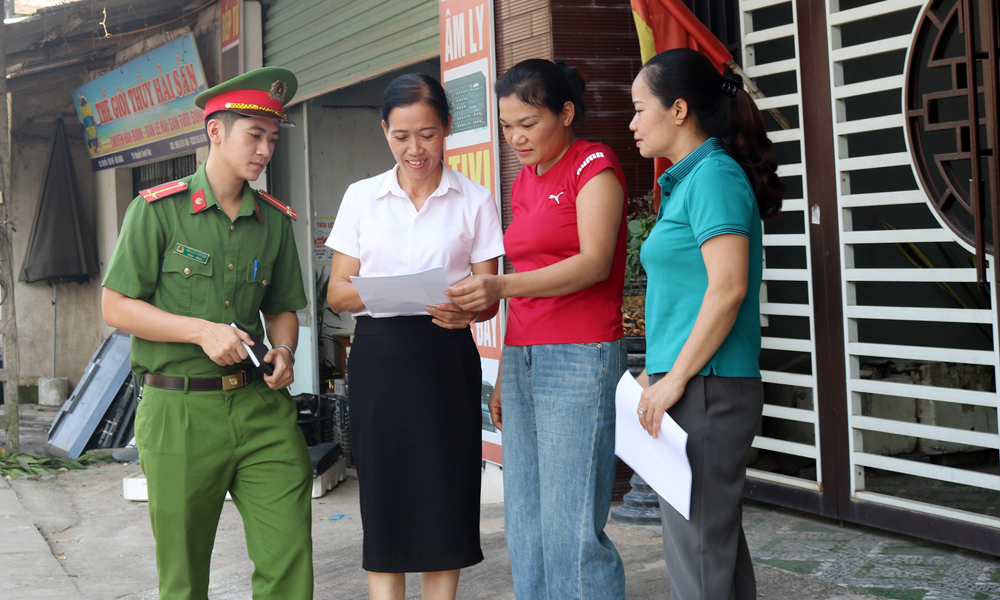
point(920, 335)
point(787, 447)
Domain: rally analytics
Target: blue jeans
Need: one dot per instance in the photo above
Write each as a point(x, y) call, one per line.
point(558, 469)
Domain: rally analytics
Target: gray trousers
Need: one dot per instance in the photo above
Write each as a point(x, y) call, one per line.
point(707, 557)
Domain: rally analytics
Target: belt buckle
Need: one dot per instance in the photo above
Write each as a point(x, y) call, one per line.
point(234, 381)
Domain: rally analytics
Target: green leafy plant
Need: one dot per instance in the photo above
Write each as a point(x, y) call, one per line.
point(31, 465)
point(324, 330)
point(642, 218)
point(636, 233)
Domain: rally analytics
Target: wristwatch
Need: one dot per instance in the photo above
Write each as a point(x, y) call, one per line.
point(289, 352)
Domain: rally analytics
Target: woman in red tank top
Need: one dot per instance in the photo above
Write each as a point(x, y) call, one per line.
point(563, 354)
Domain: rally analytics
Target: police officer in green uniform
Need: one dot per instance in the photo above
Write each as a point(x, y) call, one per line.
point(193, 256)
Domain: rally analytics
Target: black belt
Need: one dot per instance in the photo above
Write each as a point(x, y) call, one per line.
point(233, 381)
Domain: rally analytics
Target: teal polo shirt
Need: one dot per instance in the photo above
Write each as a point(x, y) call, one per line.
point(706, 194)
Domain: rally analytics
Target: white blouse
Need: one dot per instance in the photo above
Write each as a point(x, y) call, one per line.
point(458, 225)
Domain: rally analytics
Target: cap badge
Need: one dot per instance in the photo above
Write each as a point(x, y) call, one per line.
point(277, 90)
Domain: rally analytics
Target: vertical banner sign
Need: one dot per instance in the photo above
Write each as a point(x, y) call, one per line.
point(468, 70)
point(231, 14)
point(322, 254)
point(144, 109)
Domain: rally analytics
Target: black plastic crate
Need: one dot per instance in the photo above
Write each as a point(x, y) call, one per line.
point(341, 424)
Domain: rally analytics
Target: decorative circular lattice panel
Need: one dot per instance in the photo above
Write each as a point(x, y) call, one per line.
point(937, 115)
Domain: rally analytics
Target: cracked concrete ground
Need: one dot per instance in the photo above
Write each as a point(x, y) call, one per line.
point(101, 547)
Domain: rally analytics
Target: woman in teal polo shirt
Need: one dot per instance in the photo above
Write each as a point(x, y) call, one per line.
point(704, 260)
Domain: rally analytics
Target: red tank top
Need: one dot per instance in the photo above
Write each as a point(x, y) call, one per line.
point(544, 232)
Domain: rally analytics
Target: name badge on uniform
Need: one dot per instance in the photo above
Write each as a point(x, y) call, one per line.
point(188, 252)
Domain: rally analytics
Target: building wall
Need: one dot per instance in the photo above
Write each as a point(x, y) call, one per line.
point(105, 194)
point(331, 45)
point(523, 31)
point(598, 38)
point(113, 189)
point(289, 181)
point(78, 319)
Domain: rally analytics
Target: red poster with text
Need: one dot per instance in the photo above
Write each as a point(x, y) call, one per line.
point(230, 12)
point(468, 70)
point(231, 30)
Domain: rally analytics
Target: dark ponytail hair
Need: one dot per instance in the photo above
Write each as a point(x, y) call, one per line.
point(411, 89)
point(544, 84)
point(724, 110)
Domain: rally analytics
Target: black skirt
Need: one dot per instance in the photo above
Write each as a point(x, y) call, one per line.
point(414, 392)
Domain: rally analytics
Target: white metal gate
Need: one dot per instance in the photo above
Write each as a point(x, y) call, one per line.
point(912, 437)
point(791, 421)
point(934, 399)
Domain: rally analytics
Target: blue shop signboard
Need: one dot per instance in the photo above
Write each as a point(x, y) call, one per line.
point(144, 109)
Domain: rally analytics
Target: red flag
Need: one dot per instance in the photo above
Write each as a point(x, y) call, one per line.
point(668, 24)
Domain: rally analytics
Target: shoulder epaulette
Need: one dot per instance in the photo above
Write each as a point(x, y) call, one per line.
point(288, 210)
point(164, 190)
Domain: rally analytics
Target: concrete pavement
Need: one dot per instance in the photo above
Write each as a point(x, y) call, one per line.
point(105, 549)
point(28, 569)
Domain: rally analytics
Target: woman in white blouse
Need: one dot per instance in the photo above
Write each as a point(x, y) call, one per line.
point(415, 379)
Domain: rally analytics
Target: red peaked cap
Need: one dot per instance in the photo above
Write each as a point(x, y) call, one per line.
point(258, 93)
point(254, 102)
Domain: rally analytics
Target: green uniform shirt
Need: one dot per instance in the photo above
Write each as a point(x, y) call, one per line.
point(196, 262)
point(706, 194)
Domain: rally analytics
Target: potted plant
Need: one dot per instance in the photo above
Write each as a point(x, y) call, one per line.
point(639, 225)
point(329, 346)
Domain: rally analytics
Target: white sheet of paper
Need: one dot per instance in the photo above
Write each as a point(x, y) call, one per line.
point(662, 462)
point(402, 294)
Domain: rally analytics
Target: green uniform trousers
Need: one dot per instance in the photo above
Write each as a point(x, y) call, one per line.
point(196, 446)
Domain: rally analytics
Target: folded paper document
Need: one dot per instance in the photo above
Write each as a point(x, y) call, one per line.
point(661, 461)
point(402, 294)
